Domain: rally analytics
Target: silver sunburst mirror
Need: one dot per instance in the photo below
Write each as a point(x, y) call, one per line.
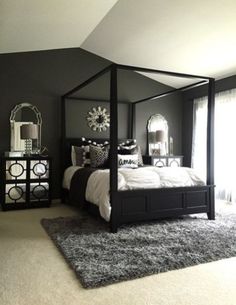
point(98, 119)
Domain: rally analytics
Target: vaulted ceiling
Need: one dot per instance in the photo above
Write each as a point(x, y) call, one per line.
point(196, 37)
point(31, 25)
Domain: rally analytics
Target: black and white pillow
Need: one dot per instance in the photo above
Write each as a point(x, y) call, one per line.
point(128, 143)
point(86, 143)
point(79, 156)
point(98, 156)
point(128, 161)
point(131, 148)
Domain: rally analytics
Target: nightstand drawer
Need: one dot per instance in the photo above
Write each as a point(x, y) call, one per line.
point(161, 161)
point(174, 161)
point(15, 169)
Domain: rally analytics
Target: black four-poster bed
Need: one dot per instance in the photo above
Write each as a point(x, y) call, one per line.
point(147, 204)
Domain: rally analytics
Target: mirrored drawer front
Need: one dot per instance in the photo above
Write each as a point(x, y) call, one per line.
point(39, 191)
point(170, 161)
point(159, 162)
point(174, 162)
point(15, 170)
point(15, 193)
point(39, 169)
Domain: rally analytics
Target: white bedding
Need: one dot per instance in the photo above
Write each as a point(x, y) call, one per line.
point(97, 190)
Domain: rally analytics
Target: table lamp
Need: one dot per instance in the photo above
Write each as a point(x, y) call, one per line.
point(160, 140)
point(28, 133)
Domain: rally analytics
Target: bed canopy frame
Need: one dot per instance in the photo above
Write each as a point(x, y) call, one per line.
point(148, 204)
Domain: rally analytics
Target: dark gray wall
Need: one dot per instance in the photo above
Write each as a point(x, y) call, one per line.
point(132, 86)
point(221, 85)
point(76, 123)
point(171, 108)
point(40, 78)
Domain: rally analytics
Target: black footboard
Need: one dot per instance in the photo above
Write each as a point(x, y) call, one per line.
point(150, 204)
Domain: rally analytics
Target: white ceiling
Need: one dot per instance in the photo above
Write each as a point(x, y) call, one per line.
point(30, 25)
point(196, 37)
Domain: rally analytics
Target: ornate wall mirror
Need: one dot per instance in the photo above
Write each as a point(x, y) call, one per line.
point(157, 135)
point(25, 114)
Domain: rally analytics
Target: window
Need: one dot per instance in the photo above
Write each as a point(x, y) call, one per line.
point(225, 142)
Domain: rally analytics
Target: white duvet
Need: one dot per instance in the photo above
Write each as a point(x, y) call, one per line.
point(97, 190)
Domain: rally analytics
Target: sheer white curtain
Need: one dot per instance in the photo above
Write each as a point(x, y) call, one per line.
point(199, 136)
point(225, 145)
point(225, 142)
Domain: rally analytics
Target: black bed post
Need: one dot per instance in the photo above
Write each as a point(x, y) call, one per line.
point(113, 147)
point(63, 138)
point(210, 146)
point(132, 133)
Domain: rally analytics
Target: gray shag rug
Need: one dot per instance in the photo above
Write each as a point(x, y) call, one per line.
point(101, 258)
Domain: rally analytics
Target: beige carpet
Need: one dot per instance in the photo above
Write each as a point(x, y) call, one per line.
point(32, 271)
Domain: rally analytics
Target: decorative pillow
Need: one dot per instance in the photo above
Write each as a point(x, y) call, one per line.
point(98, 155)
point(131, 148)
point(72, 154)
point(79, 156)
point(86, 142)
point(140, 157)
point(86, 146)
point(129, 143)
point(128, 161)
point(127, 150)
point(86, 155)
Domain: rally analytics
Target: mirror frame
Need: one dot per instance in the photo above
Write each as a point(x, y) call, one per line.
point(162, 118)
point(38, 119)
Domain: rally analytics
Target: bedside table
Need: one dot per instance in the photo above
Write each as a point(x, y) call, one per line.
point(160, 161)
point(25, 182)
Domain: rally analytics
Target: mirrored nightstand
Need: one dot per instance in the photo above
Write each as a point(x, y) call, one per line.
point(25, 182)
point(161, 161)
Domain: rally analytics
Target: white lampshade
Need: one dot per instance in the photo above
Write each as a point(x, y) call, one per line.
point(160, 136)
point(29, 131)
point(152, 137)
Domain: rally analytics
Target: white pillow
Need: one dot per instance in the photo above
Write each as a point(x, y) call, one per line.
point(128, 161)
point(73, 158)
